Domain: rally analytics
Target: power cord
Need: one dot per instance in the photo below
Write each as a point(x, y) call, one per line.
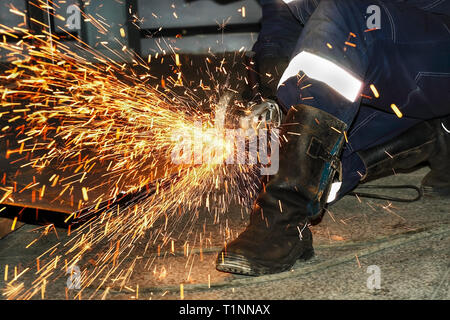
point(383, 197)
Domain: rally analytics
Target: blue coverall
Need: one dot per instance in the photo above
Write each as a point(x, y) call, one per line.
point(406, 58)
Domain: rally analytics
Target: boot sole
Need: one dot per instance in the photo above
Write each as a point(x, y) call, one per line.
point(238, 264)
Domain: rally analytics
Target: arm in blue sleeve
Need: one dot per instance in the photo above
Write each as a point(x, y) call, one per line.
point(279, 33)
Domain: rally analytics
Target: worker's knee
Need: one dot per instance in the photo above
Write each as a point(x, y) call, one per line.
point(341, 11)
point(343, 24)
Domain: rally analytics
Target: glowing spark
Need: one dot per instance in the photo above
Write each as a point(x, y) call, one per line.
point(80, 117)
point(375, 91)
point(397, 111)
point(13, 226)
point(6, 273)
point(357, 260)
point(181, 291)
point(350, 44)
point(85, 194)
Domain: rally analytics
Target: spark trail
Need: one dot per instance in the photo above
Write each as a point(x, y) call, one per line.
point(78, 112)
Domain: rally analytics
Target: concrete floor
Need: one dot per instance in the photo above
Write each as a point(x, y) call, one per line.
point(408, 243)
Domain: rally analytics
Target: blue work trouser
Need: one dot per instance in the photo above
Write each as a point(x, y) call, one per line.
point(407, 60)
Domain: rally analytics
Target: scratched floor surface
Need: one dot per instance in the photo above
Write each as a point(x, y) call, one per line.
point(408, 245)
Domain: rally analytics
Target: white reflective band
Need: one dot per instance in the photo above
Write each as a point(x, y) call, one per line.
point(323, 70)
point(287, 1)
point(335, 186)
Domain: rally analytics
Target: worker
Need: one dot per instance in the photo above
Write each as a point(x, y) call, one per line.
point(365, 86)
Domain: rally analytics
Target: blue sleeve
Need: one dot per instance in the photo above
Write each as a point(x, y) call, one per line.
point(280, 30)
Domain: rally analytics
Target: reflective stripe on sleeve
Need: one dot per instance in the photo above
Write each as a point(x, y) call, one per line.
point(323, 70)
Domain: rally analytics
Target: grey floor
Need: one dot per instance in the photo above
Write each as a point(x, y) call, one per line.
point(365, 249)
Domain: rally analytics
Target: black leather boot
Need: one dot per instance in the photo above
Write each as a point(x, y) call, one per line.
point(425, 142)
point(437, 181)
point(278, 232)
point(409, 149)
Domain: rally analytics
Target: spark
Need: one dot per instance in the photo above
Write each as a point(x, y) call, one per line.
point(79, 116)
point(13, 226)
point(350, 44)
point(375, 91)
point(397, 111)
point(357, 260)
point(243, 12)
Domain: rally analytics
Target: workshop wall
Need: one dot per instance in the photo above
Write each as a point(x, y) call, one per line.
point(146, 26)
point(200, 25)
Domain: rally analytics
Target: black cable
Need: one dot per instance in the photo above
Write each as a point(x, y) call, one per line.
point(383, 197)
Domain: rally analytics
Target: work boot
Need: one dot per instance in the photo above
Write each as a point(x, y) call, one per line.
point(437, 182)
point(427, 141)
point(278, 232)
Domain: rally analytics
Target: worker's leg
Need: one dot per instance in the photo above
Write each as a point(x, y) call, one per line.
point(406, 60)
point(323, 108)
point(426, 141)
